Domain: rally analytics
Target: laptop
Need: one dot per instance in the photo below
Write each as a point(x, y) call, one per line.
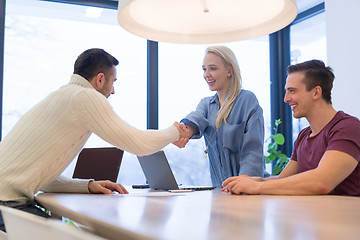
point(159, 175)
point(99, 164)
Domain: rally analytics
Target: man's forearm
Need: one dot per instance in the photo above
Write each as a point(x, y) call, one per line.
point(306, 183)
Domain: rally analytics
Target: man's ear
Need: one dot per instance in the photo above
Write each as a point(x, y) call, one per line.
point(317, 92)
point(99, 80)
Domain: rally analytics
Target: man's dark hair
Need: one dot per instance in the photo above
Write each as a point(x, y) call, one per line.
point(316, 74)
point(94, 61)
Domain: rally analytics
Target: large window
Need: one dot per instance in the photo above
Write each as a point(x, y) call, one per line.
point(42, 42)
point(43, 39)
point(308, 41)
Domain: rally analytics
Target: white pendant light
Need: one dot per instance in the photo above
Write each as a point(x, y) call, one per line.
point(204, 21)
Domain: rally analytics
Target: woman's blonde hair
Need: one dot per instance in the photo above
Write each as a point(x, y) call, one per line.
point(230, 61)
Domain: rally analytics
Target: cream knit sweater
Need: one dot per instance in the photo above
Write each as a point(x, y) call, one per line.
point(48, 137)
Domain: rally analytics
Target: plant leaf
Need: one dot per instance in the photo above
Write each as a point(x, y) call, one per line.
point(278, 138)
point(269, 158)
point(276, 170)
point(277, 122)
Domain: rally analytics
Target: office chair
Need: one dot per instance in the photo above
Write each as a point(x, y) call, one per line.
point(98, 164)
point(21, 225)
point(3, 235)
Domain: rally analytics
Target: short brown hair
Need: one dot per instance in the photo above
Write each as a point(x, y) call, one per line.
point(316, 74)
point(94, 61)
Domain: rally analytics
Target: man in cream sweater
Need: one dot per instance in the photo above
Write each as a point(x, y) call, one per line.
point(49, 136)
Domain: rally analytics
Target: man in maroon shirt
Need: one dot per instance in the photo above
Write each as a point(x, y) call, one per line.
point(326, 154)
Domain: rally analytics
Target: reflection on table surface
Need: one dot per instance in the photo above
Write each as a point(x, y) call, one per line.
point(209, 215)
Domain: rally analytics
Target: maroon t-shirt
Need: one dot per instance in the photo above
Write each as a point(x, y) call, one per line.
point(342, 133)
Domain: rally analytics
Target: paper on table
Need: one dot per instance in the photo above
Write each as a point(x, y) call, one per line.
point(151, 194)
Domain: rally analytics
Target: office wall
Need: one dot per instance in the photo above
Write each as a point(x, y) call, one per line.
point(343, 48)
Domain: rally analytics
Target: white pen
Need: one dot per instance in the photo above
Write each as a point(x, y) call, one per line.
point(180, 190)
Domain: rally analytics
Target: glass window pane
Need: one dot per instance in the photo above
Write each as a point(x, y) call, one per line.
point(308, 41)
point(42, 42)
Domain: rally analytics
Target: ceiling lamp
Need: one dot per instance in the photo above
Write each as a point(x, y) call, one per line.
point(204, 21)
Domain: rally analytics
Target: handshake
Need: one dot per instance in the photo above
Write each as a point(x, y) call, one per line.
point(185, 133)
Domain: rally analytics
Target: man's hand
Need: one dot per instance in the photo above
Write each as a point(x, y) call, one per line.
point(106, 187)
point(242, 184)
point(185, 135)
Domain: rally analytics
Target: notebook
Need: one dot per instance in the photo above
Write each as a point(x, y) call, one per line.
point(98, 164)
point(159, 175)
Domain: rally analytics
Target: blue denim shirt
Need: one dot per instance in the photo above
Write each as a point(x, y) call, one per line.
point(237, 146)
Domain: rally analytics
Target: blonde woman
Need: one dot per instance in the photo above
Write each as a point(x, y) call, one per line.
point(231, 121)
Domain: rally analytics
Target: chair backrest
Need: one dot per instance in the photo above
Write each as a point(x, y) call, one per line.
point(3, 235)
point(67, 232)
point(21, 225)
point(98, 164)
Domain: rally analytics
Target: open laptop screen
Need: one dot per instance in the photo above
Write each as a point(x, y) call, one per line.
point(159, 175)
point(157, 171)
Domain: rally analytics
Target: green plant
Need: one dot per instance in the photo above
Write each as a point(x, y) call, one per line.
point(274, 154)
point(68, 221)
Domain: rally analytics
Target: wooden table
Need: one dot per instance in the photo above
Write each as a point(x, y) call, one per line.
point(210, 215)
